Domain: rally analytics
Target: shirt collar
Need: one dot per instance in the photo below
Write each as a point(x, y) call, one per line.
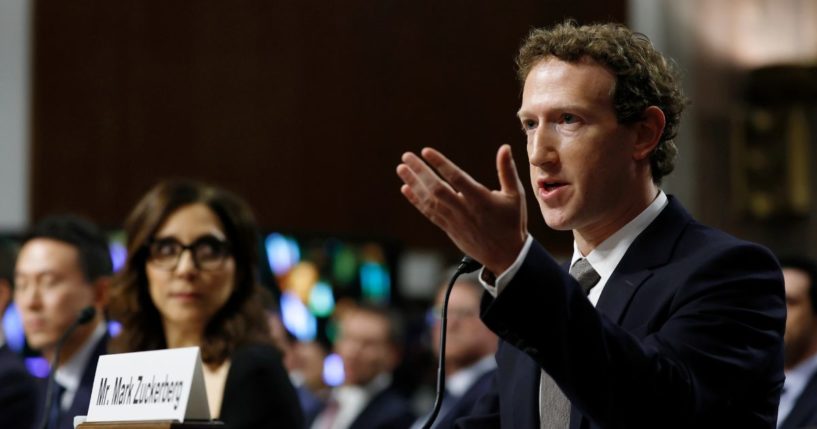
point(378, 384)
point(459, 382)
point(606, 256)
point(69, 375)
point(797, 377)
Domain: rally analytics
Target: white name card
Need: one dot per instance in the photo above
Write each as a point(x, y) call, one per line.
point(147, 386)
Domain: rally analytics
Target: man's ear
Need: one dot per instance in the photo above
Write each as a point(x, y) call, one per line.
point(102, 288)
point(649, 130)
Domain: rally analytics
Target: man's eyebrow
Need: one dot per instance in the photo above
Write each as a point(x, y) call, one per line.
point(573, 107)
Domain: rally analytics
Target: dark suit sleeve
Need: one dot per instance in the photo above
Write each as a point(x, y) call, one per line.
point(701, 340)
point(258, 393)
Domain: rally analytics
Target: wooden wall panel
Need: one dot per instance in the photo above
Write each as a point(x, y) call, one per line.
point(302, 107)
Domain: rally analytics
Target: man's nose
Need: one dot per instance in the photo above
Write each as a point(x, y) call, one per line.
point(30, 299)
point(542, 148)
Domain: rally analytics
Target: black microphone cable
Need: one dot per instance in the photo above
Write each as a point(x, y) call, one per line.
point(84, 316)
point(467, 265)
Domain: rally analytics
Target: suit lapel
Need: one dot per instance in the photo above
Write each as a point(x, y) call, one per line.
point(651, 249)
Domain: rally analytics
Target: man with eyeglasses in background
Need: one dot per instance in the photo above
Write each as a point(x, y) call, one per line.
point(469, 350)
point(64, 266)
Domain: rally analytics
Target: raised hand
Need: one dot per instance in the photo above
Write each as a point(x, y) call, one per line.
point(489, 225)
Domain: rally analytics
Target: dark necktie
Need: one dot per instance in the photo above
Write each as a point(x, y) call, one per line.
point(56, 406)
point(554, 407)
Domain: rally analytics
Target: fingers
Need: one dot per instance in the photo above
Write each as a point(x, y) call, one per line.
point(506, 170)
point(451, 173)
point(423, 181)
point(425, 190)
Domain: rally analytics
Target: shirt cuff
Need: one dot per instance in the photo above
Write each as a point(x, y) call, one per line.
point(495, 284)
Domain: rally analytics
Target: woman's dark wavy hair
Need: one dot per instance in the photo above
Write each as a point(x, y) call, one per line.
point(240, 321)
point(644, 77)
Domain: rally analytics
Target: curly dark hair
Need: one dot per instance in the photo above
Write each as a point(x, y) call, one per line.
point(242, 319)
point(644, 77)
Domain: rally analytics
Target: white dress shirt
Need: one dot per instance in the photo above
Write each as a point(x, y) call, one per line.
point(796, 380)
point(459, 382)
point(604, 258)
point(69, 375)
point(350, 401)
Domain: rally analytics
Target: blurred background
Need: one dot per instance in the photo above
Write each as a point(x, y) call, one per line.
point(304, 108)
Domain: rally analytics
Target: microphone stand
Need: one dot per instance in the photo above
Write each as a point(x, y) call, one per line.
point(467, 265)
point(84, 316)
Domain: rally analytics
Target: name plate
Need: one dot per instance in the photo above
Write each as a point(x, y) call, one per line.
point(147, 386)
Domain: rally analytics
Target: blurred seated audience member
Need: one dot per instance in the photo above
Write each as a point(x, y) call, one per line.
point(798, 402)
point(190, 279)
point(368, 343)
point(18, 394)
point(306, 373)
point(64, 266)
point(303, 361)
point(469, 351)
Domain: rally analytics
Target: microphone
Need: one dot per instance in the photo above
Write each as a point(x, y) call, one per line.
point(85, 315)
point(467, 265)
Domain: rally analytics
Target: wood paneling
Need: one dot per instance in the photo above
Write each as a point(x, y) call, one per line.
point(303, 108)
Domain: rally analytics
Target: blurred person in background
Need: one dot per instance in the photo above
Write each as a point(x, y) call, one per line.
point(190, 279)
point(368, 343)
point(306, 373)
point(303, 361)
point(469, 350)
point(64, 266)
point(798, 403)
point(18, 394)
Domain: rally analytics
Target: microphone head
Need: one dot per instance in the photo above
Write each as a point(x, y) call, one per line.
point(85, 315)
point(468, 265)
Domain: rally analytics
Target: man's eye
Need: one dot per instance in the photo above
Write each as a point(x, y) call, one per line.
point(49, 280)
point(528, 125)
point(567, 118)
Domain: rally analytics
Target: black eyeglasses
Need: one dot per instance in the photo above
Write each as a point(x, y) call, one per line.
point(208, 252)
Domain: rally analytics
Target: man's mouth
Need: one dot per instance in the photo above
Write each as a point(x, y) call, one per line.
point(550, 186)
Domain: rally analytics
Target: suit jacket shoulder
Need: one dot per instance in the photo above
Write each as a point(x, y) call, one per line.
point(687, 332)
point(386, 410)
point(465, 403)
point(18, 393)
point(258, 392)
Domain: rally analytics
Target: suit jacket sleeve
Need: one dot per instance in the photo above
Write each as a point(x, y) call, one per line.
point(700, 341)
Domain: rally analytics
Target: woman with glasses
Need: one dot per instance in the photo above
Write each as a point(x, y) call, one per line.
point(190, 280)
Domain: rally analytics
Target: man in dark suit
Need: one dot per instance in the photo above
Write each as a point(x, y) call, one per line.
point(798, 404)
point(367, 343)
point(469, 352)
point(63, 267)
point(658, 321)
point(17, 391)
